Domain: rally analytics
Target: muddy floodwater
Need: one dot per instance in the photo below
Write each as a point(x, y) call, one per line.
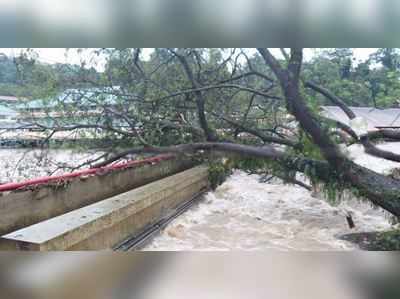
point(21, 164)
point(244, 214)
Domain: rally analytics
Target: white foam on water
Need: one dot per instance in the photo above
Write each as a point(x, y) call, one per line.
point(379, 165)
point(244, 214)
point(22, 164)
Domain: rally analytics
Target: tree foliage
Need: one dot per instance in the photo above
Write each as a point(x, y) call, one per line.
point(241, 102)
point(374, 82)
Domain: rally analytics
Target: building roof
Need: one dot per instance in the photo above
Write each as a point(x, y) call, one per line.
point(73, 96)
point(376, 118)
point(8, 99)
point(4, 110)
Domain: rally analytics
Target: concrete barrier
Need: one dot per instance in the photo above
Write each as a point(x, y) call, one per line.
point(23, 208)
point(106, 223)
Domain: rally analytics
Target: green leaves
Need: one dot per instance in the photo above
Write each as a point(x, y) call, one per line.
point(218, 171)
point(374, 82)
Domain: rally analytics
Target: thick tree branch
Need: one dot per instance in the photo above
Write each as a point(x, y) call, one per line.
point(384, 133)
point(295, 62)
point(246, 150)
point(289, 80)
point(272, 63)
point(332, 97)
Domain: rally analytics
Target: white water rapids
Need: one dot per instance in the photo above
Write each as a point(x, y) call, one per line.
point(22, 164)
point(244, 214)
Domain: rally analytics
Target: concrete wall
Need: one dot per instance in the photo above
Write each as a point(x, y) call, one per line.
point(104, 224)
point(24, 208)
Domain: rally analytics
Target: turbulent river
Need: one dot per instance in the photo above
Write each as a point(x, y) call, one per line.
point(242, 214)
point(22, 164)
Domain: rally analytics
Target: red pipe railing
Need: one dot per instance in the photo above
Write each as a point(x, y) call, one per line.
point(90, 171)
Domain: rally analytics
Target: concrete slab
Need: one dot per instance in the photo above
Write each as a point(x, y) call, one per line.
point(105, 223)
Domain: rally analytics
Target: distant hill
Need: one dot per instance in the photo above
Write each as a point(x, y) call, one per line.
point(8, 76)
point(13, 84)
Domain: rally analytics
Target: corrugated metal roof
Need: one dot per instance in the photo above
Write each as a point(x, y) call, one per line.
point(374, 117)
point(74, 96)
point(6, 111)
point(8, 98)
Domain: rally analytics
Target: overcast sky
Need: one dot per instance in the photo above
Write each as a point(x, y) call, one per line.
point(53, 55)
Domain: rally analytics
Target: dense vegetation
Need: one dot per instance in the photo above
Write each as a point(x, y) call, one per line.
point(26, 76)
point(373, 82)
point(260, 108)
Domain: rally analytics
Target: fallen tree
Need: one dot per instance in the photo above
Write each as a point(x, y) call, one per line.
point(181, 102)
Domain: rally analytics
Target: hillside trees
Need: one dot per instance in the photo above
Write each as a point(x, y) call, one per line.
point(374, 82)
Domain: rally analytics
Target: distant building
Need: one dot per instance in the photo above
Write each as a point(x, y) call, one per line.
point(70, 107)
point(8, 99)
point(375, 118)
point(8, 113)
point(8, 117)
